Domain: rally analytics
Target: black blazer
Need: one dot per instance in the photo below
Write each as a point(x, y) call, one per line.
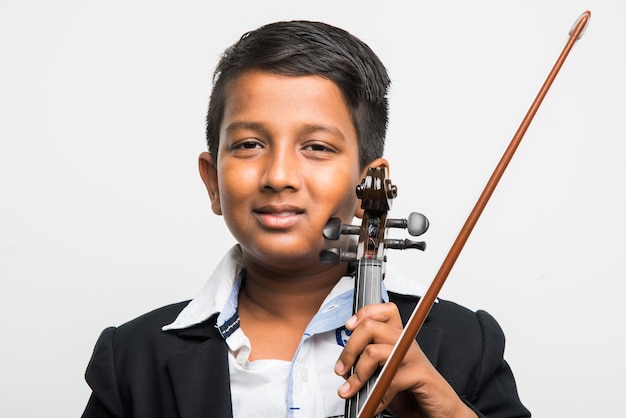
point(137, 370)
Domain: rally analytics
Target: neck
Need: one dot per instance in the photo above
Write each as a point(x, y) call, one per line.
point(274, 306)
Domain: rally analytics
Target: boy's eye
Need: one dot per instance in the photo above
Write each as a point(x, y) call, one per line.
point(248, 144)
point(317, 147)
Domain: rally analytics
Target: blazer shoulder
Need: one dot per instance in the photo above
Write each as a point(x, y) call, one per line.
point(444, 313)
point(163, 315)
point(146, 329)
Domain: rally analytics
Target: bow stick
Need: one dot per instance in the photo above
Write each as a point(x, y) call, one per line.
point(426, 302)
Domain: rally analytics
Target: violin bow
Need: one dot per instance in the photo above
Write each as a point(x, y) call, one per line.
point(425, 303)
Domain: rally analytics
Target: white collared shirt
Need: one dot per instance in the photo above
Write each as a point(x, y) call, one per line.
point(307, 385)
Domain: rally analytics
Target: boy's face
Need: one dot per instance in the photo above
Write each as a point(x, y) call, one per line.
point(288, 161)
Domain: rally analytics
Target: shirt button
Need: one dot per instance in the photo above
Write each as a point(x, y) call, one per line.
point(241, 358)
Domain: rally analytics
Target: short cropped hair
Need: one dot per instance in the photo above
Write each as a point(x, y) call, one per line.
point(300, 48)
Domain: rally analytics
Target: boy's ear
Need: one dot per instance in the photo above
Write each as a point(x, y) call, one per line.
point(208, 172)
point(377, 163)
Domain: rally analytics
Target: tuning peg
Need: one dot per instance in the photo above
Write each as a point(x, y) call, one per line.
point(334, 229)
point(404, 244)
point(417, 224)
point(336, 255)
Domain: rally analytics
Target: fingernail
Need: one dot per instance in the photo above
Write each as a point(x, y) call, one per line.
point(351, 322)
point(339, 367)
point(344, 388)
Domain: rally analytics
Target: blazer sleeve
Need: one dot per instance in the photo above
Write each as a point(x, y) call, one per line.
point(105, 400)
point(495, 392)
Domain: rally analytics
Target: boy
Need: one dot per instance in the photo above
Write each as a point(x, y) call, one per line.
point(297, 114)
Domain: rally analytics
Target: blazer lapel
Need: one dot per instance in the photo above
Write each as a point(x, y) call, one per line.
point(200, 375)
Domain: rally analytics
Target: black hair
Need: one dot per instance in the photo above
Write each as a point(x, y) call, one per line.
point(298, 48)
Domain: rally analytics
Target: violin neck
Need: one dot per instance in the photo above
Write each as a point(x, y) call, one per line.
point(367, 291)
point(368, 283)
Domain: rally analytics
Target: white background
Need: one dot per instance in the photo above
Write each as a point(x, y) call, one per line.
point(103, 216)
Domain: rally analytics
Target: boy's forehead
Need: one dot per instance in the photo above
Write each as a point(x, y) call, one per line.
point(267, 88)
point(248, 76)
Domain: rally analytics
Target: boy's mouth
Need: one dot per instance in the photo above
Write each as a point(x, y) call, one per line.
point(279, 216)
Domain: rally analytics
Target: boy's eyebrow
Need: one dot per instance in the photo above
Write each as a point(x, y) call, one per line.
point(330, 129)
point(246, 125)
point(309, 128)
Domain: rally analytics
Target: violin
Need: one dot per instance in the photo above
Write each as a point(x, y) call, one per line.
point(376, 193)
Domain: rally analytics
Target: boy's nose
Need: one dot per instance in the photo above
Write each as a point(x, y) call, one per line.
point(282, 171)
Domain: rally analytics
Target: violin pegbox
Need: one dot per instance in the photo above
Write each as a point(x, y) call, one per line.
point(376, 193)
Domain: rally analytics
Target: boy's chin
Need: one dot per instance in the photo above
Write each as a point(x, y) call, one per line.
point(286, 257)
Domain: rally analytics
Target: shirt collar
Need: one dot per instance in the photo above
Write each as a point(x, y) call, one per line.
point(214, 294)
point(219, 293)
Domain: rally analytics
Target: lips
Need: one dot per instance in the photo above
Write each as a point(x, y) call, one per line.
point(278, 216)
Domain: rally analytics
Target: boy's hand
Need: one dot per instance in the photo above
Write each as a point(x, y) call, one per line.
point(417, 390)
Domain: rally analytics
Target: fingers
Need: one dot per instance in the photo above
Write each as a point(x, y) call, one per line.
point(372, 358)
point(383, 312)
point(373, 324)
point(375, 330)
